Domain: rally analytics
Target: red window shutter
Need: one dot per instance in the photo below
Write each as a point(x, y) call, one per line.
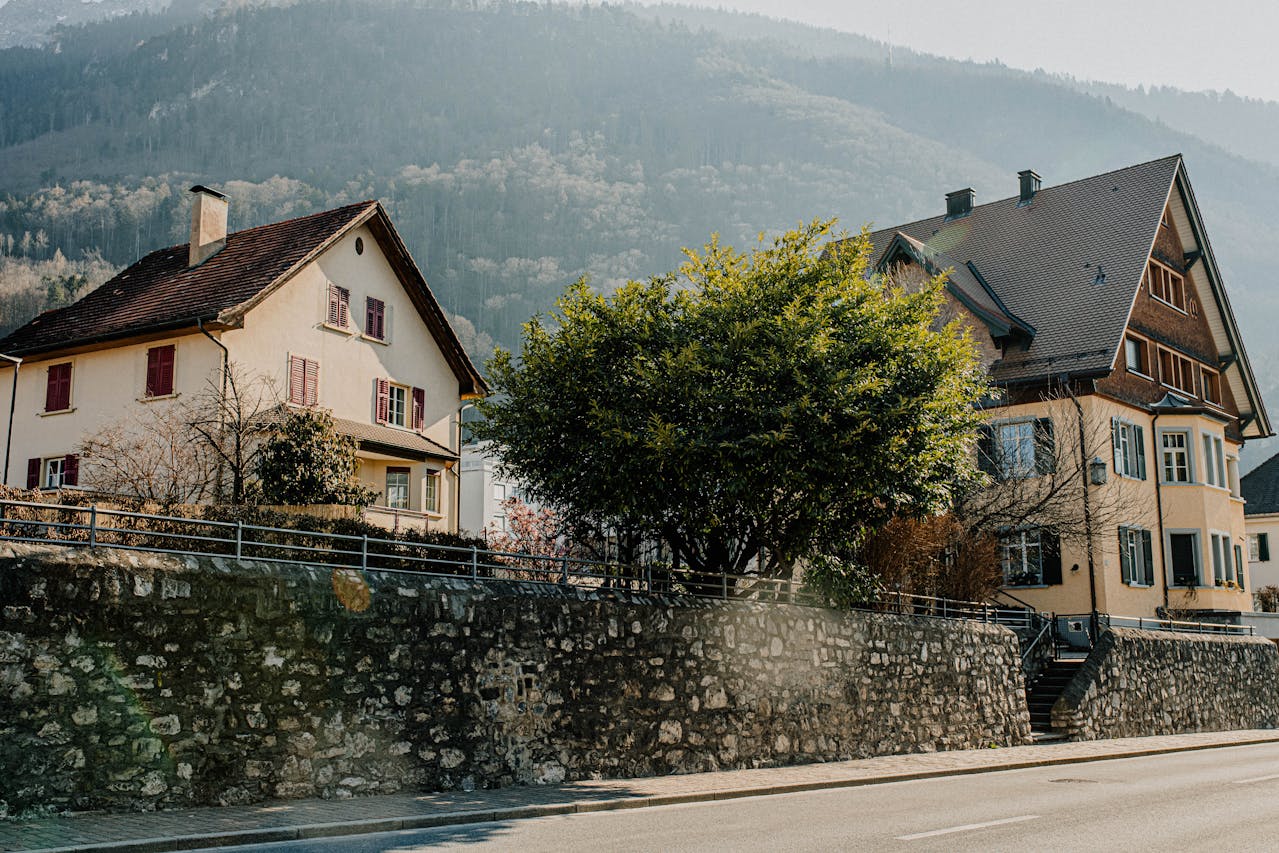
point(57, 393)
point(33, 473)
point(383, 396)
point(419, 408)
point(71, 470)
point(166, 369)
point(375, 318)
point(312, 379)
point(297, 380)
point(153, 372)
point(160, 371)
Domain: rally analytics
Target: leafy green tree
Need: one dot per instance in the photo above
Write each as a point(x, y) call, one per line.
point(778, 404)
point(307, 461)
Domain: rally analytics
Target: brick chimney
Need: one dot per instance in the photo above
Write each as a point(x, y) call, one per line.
point(208, 224)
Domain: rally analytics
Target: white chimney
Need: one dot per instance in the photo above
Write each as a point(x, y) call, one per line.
point(208, 224)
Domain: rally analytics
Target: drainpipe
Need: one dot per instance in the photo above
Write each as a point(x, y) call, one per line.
point(226, 355)
point(1159, 507)
point(1083, 463)
point(13, 400)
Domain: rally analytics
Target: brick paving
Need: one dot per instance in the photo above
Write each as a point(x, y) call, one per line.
point(291, 819)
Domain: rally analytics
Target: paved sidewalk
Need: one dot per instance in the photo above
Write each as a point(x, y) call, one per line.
point(286, 820)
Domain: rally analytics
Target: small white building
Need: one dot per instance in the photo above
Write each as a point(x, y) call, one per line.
point(1260, 488)
point(485, 491)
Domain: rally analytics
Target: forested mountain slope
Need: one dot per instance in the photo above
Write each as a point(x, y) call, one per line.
point(520, 145)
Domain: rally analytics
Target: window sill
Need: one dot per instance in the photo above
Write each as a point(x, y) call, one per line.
point(383, 341)
point(1139, 585)
point(1190, 394)
point(1138, 373)
point(1028, 586)
point(341, 330)
point(57, 412)
point(1171, 305)
point(175, 395)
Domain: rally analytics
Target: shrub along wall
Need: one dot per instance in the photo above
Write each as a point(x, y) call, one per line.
point(1138, 683)
point(130, 680)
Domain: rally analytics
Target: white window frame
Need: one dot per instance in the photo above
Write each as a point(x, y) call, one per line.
point(406, 403)
point(1015, 549)
point(406, 501)
point(1214, 460)
point(1186, 450)
point(1010, 453)
point(1133, 548)
point(432, 486)
point(53, 472)
point(1128, 450)
point(1222, 556)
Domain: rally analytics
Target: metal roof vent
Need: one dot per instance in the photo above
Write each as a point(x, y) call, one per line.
point(959, 203)
point(1030, 183)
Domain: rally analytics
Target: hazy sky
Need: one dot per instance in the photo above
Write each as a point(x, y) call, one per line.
point(1224, 44)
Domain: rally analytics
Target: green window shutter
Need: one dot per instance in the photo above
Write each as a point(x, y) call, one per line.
point(986, 450)
point(1125, 557)
point(1239, 565)
point(1045, 447)
point(1149, 556)
point(1051, 551)
point(1263, 547)
point(1117, 444)
point(1139, 436)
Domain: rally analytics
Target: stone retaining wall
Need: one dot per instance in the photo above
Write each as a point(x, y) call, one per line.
point(139, 681)
point(1139, 683)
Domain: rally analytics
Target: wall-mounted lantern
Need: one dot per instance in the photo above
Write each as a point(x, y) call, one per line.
point(1097, 471)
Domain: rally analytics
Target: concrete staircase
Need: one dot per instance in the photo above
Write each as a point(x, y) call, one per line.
point(1043, 694)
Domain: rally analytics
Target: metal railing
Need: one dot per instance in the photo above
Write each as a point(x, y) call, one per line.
point(1155, 624)
point(94, 526)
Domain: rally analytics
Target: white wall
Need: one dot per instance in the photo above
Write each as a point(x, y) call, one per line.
point(107, 386)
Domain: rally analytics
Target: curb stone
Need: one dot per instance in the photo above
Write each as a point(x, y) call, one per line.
point(269, 835)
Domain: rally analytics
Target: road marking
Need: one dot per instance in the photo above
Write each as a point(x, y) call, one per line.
point(966, 827)
point(1257, 779)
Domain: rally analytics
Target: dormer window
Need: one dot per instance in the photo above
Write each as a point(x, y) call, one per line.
point(1166, 285)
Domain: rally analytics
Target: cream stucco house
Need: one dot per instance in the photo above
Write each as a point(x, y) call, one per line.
point(331, 307)
point(1104, 322)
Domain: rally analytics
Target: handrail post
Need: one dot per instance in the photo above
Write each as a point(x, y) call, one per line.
point(648, 578)
point(239, 538)
point(93, 526)
point(564, 570)
point(364, 551)
point(475, 562)
point(723, 584)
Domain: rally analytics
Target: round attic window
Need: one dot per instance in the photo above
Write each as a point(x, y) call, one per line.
point(359, 245)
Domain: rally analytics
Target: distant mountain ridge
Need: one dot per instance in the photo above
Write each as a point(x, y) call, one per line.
point(519, 145)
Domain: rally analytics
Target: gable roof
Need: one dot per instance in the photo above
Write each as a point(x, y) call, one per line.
point(1260, 488)
point(965, 282)
point(1068, 264)
point(1042, 258)
point(161, 293)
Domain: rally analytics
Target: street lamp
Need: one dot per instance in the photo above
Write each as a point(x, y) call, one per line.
point(13, 400)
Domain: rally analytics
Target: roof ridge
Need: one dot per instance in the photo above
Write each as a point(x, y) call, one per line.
point(1049, 188)
point(293, 220)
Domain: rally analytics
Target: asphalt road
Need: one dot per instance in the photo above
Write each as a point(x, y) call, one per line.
point(1217, 799)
